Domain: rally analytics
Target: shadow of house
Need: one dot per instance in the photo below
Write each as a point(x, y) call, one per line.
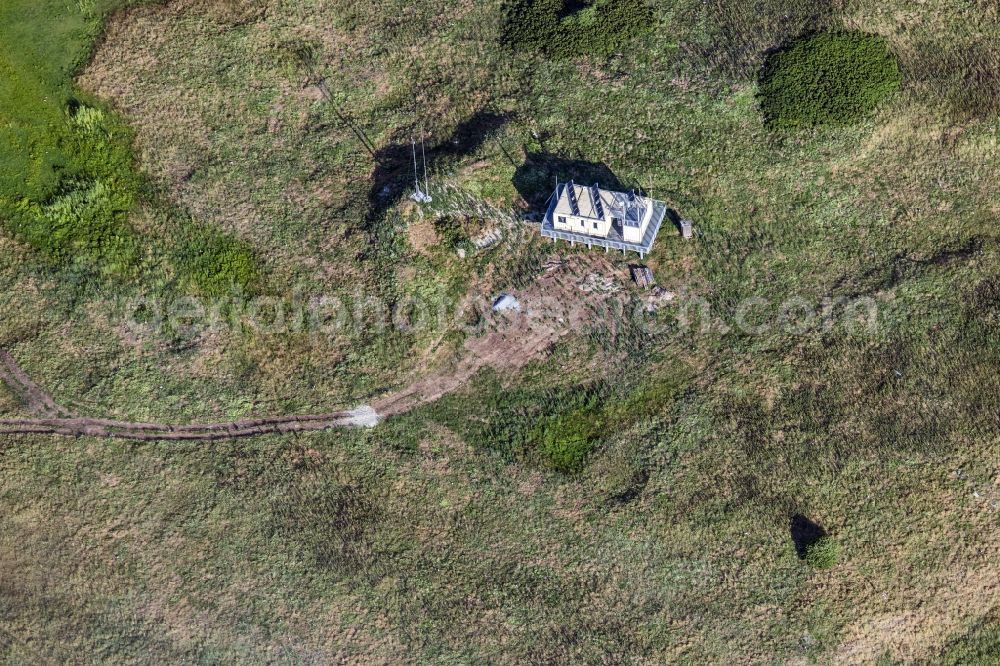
point(675, 220)
point(804, 533)
point(535, 180)
point(393, 176)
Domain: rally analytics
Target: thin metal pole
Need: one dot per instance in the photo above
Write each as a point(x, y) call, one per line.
point(416, 178)
point(423, 151)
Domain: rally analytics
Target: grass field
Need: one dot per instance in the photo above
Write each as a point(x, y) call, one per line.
point(68, 179)
point(631, 495)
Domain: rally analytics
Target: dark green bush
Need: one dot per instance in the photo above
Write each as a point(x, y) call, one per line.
point(567, 441)
point(827, 79)
point(567, 28)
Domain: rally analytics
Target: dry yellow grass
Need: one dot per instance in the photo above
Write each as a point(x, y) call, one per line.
point(436, 538)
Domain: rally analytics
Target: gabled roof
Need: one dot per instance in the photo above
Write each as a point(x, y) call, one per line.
point(581, 201)
point(594, 203)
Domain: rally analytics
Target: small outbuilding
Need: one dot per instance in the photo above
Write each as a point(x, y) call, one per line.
point(687, 229)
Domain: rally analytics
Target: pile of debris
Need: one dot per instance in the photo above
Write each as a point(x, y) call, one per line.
point(553, 265)
point(659, 297)
point(642, 276)
point(598, 283)
point(506, 303)
point(487, 239)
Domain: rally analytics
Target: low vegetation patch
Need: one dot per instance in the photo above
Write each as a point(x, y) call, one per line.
point(553, 428)
point(68, 177)
point(827, 79)
point(961, 76)
point(729, 39)
point(452, 234)
point(213, 264)
point(980, 647)
point(565, 442)
point(571, 28)
point(822, 553)
point(597, 495)
point(84, 221)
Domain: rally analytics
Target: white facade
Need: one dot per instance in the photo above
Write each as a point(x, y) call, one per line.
point(634, 233)
point(591, 211)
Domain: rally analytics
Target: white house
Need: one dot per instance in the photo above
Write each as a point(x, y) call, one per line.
point(613, 220)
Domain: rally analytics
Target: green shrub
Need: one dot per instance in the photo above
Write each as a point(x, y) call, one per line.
point(567, 455)
point(84, 221)
point(827, 79)
point(822, 553)
point(567, 28)
point(85, 226)
point(567, 441)
point(213, 263)
point(452, 233)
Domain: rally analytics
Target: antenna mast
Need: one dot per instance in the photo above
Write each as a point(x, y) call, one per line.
point(418, 195)
point(423, 152)
point(416, 179)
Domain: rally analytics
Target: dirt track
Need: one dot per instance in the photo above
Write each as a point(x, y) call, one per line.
point(37, 400)
point(513, 342)
point(148, 432)
point(490, 350)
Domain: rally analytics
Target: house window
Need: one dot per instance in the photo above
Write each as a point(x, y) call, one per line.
point(595, 225)
point(562, 219)
point(582, 223)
